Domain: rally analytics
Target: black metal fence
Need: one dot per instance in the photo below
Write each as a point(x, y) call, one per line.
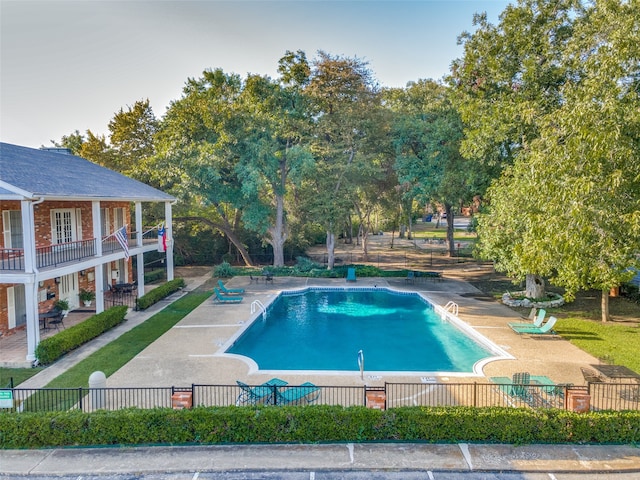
point(594, 396)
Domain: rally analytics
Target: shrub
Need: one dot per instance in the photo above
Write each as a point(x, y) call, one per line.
point(154, 275)
point(315, 423)
point(224, 270)
point(52, 348)
point(157, 294)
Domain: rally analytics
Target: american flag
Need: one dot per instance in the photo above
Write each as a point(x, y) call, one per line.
point(121, 236)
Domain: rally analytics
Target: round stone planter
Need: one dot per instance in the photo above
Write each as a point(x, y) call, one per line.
point(554, 301)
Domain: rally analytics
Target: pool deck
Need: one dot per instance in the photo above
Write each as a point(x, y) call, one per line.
point(190, 351)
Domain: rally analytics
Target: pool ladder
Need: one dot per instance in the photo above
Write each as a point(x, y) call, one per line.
point(451, 307)
point(257, 304)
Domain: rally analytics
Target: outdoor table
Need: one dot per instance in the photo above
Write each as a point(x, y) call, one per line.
point(618, 373)
point(44, 316)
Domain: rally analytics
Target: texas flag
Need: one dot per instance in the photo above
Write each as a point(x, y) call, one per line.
point(162, 238)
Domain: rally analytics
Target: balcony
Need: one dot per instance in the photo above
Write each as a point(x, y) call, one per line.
point(51, 256)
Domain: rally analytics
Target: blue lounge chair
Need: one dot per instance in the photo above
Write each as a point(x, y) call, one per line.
point(537, 322)
point(351, 274)
point(265, 394)
point(222, 299)
point(302, 395)
point(547, 328)
point(229, 291)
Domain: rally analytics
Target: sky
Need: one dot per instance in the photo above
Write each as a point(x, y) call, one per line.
point(71, 65)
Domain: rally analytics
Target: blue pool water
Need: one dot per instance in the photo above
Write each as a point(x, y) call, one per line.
point(325, 329)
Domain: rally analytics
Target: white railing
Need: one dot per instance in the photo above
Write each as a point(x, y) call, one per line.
point(257, 304)
point(451, 307)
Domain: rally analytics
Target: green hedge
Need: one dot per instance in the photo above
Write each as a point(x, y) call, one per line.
point(315, 423)
point(157, 294)
point(52, 348)
point(154, 275)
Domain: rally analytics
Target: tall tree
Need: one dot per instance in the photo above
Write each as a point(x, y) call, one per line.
point(427, 137)
point(509, 77)
point(569, 208)
point(343, 94)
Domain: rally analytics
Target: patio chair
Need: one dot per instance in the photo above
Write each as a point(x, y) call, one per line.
point(302, 395)
point(351, 274)
point(253, 279)
point(546, 329)
point(537, 322)
point(222, 299)
point(265, 394)
point(411, 277)
point(229, 291)
point(57, 320)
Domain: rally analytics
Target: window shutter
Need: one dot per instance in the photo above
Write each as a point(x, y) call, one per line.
point(78, 223)
point(6, 228)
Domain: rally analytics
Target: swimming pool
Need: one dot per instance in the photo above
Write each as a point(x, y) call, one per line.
point(323, 329)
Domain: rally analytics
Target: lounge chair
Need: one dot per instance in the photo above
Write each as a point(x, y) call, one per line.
point(547, 328)
point(222, 299)
point(229, 291)
point(302, 395)
point(265, 394)
point(351, 274)
point(537, 322)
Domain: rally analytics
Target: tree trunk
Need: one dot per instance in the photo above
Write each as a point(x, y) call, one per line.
point(278, 234)
point(604, 305)
point(535, 287)
point(331, 249)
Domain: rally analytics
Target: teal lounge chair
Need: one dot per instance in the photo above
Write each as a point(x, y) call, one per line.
point(302, 395)
point(351, 274)
point(517, 386)
point(547, 328)
point(537, 322)
point(265, 394)
point(229, 291)
point(222, 299)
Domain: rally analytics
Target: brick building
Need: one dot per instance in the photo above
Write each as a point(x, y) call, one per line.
point(60, 218)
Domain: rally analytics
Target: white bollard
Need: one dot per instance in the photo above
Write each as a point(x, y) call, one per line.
point(97, 381)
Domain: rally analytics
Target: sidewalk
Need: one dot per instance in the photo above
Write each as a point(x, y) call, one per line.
point(349, 457)
point(133, 319)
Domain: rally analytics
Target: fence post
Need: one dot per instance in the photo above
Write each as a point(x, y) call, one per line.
point(475, 394)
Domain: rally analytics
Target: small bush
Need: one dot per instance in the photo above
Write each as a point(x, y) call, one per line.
point(224, 270)
point(157, 294)
point(52, 348)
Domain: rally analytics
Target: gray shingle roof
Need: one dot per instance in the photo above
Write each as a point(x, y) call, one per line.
point(50, 174)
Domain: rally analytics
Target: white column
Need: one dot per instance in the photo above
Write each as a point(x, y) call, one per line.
point(169, 252)
point(99, 275)
point(33, 320)
point(140, 278)
point(30, 288)
point(138, 210)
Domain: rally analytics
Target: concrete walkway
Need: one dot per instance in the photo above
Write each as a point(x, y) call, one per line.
point(368, 457)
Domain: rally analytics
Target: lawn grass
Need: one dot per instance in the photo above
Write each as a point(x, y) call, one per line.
point(117, 353)
point(616, 344)
point(19, 375)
